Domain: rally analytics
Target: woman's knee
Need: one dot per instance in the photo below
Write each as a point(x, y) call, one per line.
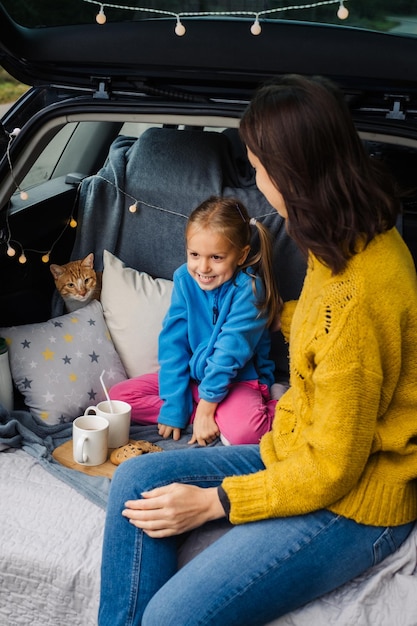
point(136, 475)
point(149, 471)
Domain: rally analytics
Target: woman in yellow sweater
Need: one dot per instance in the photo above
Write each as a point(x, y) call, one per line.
point(332, 489)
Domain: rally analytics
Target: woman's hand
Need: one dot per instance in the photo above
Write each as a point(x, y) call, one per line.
point(173, 509)
point(205, 429)
point(166, 431)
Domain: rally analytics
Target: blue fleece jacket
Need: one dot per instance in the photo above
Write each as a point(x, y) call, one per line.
point(212, 337)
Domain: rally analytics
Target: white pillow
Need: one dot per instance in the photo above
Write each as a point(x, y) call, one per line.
point(57, 364)
point(134, 306)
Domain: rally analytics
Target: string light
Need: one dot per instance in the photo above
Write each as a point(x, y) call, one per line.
point(255, 29)
point(342, 12)
point(15, 132)
point(101, 17)
point(11, 249)
point(134, 206)
point(180, 30)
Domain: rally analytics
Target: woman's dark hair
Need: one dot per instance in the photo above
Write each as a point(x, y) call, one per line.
point(229, 217)
point(336, 196)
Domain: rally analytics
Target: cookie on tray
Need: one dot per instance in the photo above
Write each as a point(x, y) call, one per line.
point(131, 449)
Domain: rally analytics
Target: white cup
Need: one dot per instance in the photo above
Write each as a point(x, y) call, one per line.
point(119, 420)
point(90, 435)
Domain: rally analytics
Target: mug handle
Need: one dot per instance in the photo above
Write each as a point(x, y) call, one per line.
point(80, 455)
point(90, 408)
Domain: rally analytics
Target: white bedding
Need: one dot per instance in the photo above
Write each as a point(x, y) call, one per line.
point(50, 548)
point(50, 555)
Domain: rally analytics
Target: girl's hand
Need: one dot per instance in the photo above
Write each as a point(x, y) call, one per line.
point(205, 429)
point(166, 431)
point(173, 509)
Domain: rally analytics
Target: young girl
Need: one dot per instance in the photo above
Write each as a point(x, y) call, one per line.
point(215, 370)
point(332, 489)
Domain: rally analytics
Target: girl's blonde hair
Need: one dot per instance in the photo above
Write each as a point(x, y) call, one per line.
point(229, 217)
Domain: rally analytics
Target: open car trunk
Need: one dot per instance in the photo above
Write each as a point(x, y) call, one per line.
point(70, 141)
point(125, 128)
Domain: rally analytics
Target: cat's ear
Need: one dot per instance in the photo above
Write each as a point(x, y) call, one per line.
point(56, 270)
point(88, 261)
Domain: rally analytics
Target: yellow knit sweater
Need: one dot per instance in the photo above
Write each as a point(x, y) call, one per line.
point(344, 435)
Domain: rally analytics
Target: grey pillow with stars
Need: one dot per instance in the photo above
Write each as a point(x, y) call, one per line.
point(57, 364)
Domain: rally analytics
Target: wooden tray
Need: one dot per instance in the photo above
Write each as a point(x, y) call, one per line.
point(63, 454)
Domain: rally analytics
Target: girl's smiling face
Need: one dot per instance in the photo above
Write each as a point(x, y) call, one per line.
point(211, 258)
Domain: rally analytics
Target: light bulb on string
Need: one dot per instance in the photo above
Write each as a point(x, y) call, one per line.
point(179, 27)
point(45, 258)
point(10, 251)
point(73, 223)
point(255, 29)
point(24, 195)
point(342, 12)
point(101, 16)
point(133, 208)
point(22, 258)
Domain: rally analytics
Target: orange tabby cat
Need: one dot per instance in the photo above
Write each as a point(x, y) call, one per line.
point(77, 282)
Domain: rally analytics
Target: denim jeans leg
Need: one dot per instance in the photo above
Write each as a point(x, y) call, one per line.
point(260, 571)
point(253, 574)
point(134, 566)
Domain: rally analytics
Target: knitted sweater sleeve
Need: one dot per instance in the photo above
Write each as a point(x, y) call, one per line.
point(286, 317)
point(324, 425)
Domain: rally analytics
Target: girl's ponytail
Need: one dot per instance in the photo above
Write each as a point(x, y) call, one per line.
point(261, 262)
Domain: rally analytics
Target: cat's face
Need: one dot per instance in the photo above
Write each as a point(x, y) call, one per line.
point(76, 281)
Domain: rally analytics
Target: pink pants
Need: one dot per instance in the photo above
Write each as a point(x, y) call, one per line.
point(245, 414)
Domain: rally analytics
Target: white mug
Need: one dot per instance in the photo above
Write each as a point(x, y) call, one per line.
point(90, 435)
point(119, 420)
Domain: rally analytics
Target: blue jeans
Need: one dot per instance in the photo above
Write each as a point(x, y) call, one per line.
point(253, 574)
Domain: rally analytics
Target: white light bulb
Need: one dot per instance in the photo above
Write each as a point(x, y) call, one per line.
point(22, 258)
point(101, 17)
point(133, 208)
point(179, 29)
point(10, 251)
point(24, 195)
point(342, 13)
point(255, 29)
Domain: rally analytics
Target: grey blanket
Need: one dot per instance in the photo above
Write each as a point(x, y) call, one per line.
point(21, 429)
